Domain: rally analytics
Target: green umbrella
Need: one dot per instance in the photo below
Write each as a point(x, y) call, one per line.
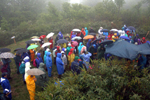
point(32, 47)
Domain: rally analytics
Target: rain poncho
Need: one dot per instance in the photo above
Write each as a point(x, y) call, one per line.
point(80, 47)
point(64, 60)
point(45, 57)
point(86, 31)
point(68, 48)
point(38, 60)
point(63, 45)
point(59, 64)
point(60, 35)
point(6, 86)
point(41, 51)
point(17, 62)
point(88, 44)
point(7, 62)
point(27, 66)
point(24, 55)
point(22, 68)
point(49, 63)
point(75, 66)
point(32, 55)
point(86, 59)
point(42, 79)
point(71, 56)
point(31, 86)
point(83, 32)
point(51, 41)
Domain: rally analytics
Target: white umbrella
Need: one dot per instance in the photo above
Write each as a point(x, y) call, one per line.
point(7, 55)
point(76, 30)
point(46, 44)
point(50, 35)
point(77, 37)
point(35, 71)
point(36, 39)
point(114, 30)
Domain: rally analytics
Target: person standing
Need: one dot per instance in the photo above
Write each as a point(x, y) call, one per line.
point(86, 31)
point(6, 62)
point(27, 66)
point(38, 60)
point(32, 55)
point(6, 86)
point(75, 65)
point(22, 70)
point(49, 63)
point(51, 41)
point(64, 59)
point(59, 64)
point(71, 57)
point(68, 48)
point(17, 61)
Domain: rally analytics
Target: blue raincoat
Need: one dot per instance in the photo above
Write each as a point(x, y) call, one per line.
point(60, 35)
point(38, 60)
point(88, 44)
point(86, 59)
point(59, 64)
point(80, 47)
point(75, 66)
point(45, 57)
point(24, 55)
point(86, 31)
point(6, 86)
point(49, 63)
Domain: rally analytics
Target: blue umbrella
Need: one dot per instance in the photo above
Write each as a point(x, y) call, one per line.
point(131, 28)
point(124, 37)
point(104, 30)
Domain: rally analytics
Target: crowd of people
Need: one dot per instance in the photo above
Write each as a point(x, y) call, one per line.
point(65, 56)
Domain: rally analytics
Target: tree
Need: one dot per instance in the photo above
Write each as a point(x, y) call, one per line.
point(4, 24)
point(119, 3)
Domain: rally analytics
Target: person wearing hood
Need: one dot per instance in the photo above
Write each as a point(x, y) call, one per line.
point(64, 59)
point(136, 38)
point(45, 57)
point(80, 47)
point(75, 65)
point(49, 63)
point(60, 35)
point(41, 51)
point(86, 31)
point(92, 50)
point(58, 50)
point(7, 62)
point(99, 31)
point(91, 30)
point(22, 70)
point(89, 44)
point(63, 45)
point(17, 61)
point(139, 41)
point(24, 55)
point(68, 48)
point(6, 86)
point(83, 32)
point(38, 60)
point(101, 51)
point(42, 79)
point(113, 38)
point(51, 41)
point(60, 65)
point(71, 56)
point(27, 66)
point(30, 83)
point(54, 55)
point(143, 40)
point(32, 55)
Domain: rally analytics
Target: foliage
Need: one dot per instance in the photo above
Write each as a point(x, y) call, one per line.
point(108, 80)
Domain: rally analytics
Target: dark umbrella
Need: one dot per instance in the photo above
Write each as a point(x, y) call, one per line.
point(29, 42)
point(92, 34)
point(104, 30)
point(18, 49)
point(124, 37)
point(106, 42)
point(62, 41)
point(4, 50)
point(96, 40)
point(21, 51)
point(131, 28)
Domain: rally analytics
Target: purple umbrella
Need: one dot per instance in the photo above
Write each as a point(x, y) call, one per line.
point(124, 37)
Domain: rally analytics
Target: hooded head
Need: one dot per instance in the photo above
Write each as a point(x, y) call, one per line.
point(26, 59)
point(101, 28)
point(143, 38)
point(80, 44)
point(76, 58)
point(82, 29)
point(71, 51)
point(41, 65)
point(59, 55)
point(4, 74)
point(130, 37)
point(94, 46)
point(85, 28)
point(38, 55)
point(139, 40)
point(48, 49)
point(69, 44)
point(89, 40)
point(48, 54)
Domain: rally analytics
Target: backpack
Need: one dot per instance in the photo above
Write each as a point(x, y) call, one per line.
point(34, 62)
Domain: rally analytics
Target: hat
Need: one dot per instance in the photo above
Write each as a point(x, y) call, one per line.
point(101, 27)
point(62, 52)
point(48, 49)
point(115, 33)
point(76, 58)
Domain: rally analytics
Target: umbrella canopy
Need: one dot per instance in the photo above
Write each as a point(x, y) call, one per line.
point(21, 51)
point(96, 40)
point(18, 49)
point(36, 39)
point(7, 55)
point(42, 36)
point(77, 37)
point(131, 28)
point(104, 30)
point(92, 34)
point(60, 41)
point(124, 37)
point(50, 35)
point(75, 43)
point(123, 49)
point(46, 44)
point(114, 30)
point(32, 47)
point(35, 71)
point(76, 30)
point(29, 42)
point(106, 42)
point(88, 37)
point(4, 50)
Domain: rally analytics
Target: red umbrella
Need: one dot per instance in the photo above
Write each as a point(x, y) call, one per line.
point(42, 36)
point(75, 43)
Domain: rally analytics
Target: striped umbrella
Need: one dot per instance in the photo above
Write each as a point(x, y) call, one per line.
point(7, 55)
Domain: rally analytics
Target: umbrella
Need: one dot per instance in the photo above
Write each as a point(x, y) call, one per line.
point(32, 47)
point(42, 36)
point(88, 37)
point(35, 71)
point(131, 28)
point(114, 30)
point(21, 51)
point(60, 41)
point(77, 37)
point(7, 55)
point(106, 42)
point(4, 50)
point(75, 43)
point(92, 34)
point(76, 30)
point(96, 40)
point(104, 30)
point(124, 37)
point(46, 44)
point(50, 35)
point(36, 39)
point(29, 42)
point(18, 49)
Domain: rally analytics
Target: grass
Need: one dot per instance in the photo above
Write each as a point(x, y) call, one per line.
point(19, 90)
